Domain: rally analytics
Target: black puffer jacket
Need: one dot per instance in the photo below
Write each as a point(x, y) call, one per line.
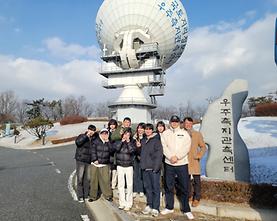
point(124, 153)
point(151, 153)
point(101, 151)
point(84, 147)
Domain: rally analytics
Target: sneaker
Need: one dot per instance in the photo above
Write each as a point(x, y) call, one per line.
point(81, 200)
point(109, 199)
point(167, 211)
point(134, 195)
point(121, 207)
point(127, 208)
point(147, 210)
point(195, 203)
point(154, 212)
point(141, 194)
point(90, 200)
point(189, 215)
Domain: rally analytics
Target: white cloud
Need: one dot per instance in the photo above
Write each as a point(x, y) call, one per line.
point(32, 79)
point(60, 49)
point(213, 59)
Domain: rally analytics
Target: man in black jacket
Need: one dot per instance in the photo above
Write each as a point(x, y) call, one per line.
point(151, 156)
point(100, 168)
point(83, 159)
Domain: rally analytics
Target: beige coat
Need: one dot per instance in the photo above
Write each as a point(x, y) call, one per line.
point(197, 151)
point(176, 142)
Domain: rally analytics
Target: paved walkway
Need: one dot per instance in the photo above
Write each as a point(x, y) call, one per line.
point(207, 210)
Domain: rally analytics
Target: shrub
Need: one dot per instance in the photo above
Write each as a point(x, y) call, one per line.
point(268, 109)
point(258, 195)
point(15, 131)
point(5, 118)
point(38, 126)
point(73, 119)
point(63, 140)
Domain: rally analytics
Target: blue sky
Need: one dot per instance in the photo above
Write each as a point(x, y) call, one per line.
point(54, 42)
point(26, 23)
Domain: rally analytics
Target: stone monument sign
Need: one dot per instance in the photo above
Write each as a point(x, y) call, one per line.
point(228, 157)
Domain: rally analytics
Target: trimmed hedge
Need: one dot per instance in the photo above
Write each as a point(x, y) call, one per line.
point(269, 109)
point(73, 119)
point(257, 195)
point(64, 140)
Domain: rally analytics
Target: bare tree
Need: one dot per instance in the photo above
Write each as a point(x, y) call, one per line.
point(164, 112)
point(69, 105)
point(200, 111)
point(21, 111)
point(102, 110)
point(53, 110)
point(76, 106)
point(188, 110)
point(86, 108)
point(8, 102)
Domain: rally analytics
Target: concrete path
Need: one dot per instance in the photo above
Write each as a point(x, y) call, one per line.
point(210, 211)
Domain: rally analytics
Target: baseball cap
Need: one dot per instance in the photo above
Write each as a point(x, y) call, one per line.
point(174, 118)
point(104, 130)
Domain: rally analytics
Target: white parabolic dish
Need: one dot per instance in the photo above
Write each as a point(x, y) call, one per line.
point(165, 21)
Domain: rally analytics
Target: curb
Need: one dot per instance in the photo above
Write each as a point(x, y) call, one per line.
point(103, 210)
point(236, 212)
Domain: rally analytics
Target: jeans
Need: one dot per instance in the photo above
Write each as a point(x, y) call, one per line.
point(138, 182)
point(83, 176)
point(180, 175)
point(195, 187)
point(151, 181)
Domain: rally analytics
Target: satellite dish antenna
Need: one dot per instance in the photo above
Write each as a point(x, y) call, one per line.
point(140, 39)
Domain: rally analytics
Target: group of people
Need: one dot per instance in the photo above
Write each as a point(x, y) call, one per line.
point(135, 161)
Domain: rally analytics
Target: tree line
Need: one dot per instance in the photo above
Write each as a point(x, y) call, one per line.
point(39, 115)
point(16, 110)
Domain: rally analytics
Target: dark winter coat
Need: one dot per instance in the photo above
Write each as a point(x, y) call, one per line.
point(151, 153)
point(101, 151)
point(84, 147)
point(137, 154)
point(124, 153)
point(113, 156)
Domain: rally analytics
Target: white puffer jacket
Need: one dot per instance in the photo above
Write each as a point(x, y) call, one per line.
point(176, 142)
